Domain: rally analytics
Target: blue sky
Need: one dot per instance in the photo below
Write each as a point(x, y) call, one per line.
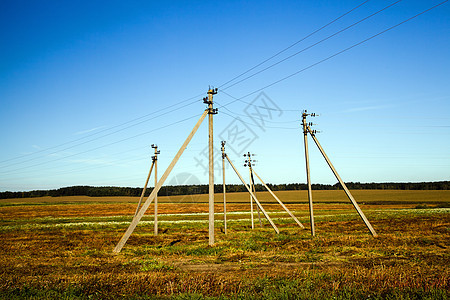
point(87, 86)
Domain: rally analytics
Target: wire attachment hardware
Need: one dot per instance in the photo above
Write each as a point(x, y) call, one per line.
point(249, 162)
point(155, 157)
point(223, 149)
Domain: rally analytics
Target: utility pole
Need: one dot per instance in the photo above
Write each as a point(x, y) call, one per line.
point(224, 189)
point(349, 195)
point(161, 181)
point(279, 201)
point(253, 195)
point(251, 198)
point(307, 129)
point(250, 163)
point(155, 163)
point(308, 176)
point(211, 111)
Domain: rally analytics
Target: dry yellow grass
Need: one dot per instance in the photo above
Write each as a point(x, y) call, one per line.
point(369, 196)
point(409, 260)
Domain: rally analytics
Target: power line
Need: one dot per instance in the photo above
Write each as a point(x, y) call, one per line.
point(280, 52)
point(120, 125)
point(239, 99)
point(77, 170)
point(97, 138)
point(292, 45)
point(236, 99)
point(103, 146)
point(311, 46)
point(332, 56)
point(247, 116)
point(104, 130)
point(251, 124)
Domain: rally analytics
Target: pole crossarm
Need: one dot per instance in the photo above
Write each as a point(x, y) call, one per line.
point(150, 198)
point(254, 197)
point(349, 195)
point(279, 201)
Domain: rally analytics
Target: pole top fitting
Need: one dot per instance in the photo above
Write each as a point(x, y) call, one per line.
point(209, 100)
point(155, 157)
point(249, 162)
point(305, 114)
point(212, 91)
point(154, 146)
point(223, 149)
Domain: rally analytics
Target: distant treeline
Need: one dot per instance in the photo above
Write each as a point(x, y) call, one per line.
point(104, 191)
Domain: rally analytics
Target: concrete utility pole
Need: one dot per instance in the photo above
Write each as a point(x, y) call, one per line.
point(306, 130)
point(279, 201)
point(224, 189)
point(308, 177)
point(161, 181)
point(211, 112)
point(349, 195)
point(254, 191)
point(155, 162)
point(253, 195)
point(250, 163)
point(251, 199)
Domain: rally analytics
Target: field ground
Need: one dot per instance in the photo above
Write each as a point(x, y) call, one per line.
point(62, 248)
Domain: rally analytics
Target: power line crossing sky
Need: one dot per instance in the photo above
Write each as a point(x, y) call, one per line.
point(87, 87)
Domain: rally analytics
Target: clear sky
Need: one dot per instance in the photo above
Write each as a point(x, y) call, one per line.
point(87, 86)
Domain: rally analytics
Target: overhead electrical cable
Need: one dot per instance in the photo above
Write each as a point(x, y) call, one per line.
point(247, 116)
point(139, 118)
point(332, 56)
point(292, 45)
point(83, 169)
point(226, 87)
point(239, 99)
point(107, 129)
point(99, 137)
point(103, 146)
point(252, 124)
point(311, 46)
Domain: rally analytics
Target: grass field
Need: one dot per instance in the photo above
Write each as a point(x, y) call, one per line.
point(62, 248)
